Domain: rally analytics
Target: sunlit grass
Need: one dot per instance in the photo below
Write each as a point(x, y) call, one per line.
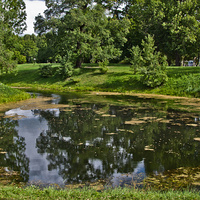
point(8, 94)
point(12, 192)
point(183, 81)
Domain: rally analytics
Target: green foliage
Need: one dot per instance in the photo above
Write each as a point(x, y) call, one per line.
point(47, 71)
point(33, 192)
point(7, 64)
point(119, 79)
point(175, 25)
point(66, 69)
point(84, 30)
point(103, 66)
point(30, 49)
point(149, 63)
point(21, 59)
point(14, 14)
point(74, 80)
point(12, 19)
point(184, 85)
point(8, 94)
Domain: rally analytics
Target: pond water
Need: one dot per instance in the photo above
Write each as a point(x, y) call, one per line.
point(75, 138)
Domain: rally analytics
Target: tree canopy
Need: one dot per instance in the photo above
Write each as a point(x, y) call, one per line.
point(12, 20)
point(175, 25)
point(99, 31)
point(84, 29)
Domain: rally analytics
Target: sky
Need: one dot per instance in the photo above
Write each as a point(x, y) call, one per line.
point(33, 8)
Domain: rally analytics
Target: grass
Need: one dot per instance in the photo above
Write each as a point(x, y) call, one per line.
point(12, 192)
point(8, 94)
point(183, 81)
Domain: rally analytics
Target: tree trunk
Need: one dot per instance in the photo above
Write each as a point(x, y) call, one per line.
point(198, 60)
point(78, 62)
point(79, 59)
point(169, 61)
point(178, 59)
point(78, 47)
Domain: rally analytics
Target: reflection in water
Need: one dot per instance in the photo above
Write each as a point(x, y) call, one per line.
point(86, 142)
point(12, 149)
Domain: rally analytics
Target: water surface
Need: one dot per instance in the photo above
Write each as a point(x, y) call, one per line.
point(72, 139)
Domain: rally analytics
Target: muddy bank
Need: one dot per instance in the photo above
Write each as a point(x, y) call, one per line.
point(41, 102)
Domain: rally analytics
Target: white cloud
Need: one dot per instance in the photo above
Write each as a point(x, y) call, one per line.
point(33, 8)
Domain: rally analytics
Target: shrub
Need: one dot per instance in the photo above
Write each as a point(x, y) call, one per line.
point(150, 64)
point(66, 69)
point(103, 66)
point(7, 64)
point(47, 71)
point(21, 59)
point(188, 84)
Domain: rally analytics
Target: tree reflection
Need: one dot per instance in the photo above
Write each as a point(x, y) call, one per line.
point(85, 145)
point(14, 146)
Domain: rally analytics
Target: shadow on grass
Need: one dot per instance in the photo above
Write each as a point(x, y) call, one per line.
point(180, 71)
point(28, 77)
point(122, 83)
point(112, 80)
point(31, 76)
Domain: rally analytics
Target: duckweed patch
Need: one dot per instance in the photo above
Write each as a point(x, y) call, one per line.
point(8, 176)
point(176, 179)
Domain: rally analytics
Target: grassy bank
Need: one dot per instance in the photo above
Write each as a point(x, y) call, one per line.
point(183, 81)
point(8, 94)
point(11, 192)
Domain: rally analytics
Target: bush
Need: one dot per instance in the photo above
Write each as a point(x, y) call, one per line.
point(47, 71)
point(151, 65)
point(7, 64)
point(66, 69)
point(103, 66)
point(21, 59)
point(188, 84)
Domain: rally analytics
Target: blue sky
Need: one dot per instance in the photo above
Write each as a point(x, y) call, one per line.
point(33, 8)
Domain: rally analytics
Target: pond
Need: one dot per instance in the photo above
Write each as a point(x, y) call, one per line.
point(113, 139)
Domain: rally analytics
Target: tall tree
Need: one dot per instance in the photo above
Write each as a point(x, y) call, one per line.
point(14, 14)
point(12, 19)
point(81, 27)
point(182, 25)
point(150, 64)
point(174, 24)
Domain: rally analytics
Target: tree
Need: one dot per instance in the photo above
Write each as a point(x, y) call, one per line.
point(174, 24)
point(149, 63)
point(14, 14)
point(82, 28)
point(182, 26)
point(117, 8)
point(30, 48)
point(6, 62)
point(45, 51)
point(12, 19)
point(15, 44)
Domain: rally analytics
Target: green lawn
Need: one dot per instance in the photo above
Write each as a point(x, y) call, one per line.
point(183, 81)
point(8, 94)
